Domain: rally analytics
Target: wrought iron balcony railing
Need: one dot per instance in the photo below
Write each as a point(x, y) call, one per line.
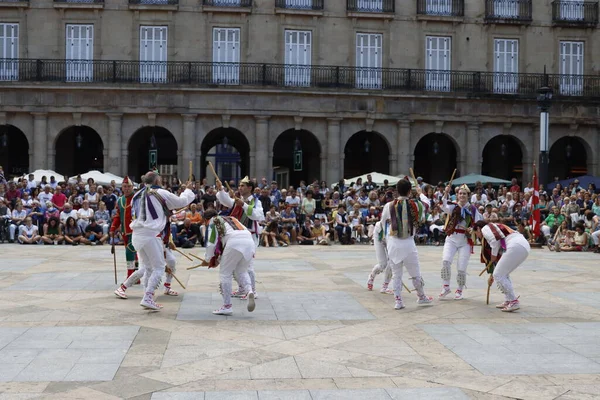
point(315, 5)
point(515, 11)
point(150, 2)
point(208, 74)
point(374, 6)
point(566, 12)
point(442, 8)
point(227, 3)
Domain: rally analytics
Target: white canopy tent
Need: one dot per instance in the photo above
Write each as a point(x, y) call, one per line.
point(99, 178)
point(39, 173)
point(377, 177)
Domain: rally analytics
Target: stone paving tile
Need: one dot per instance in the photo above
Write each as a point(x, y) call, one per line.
point(283, 265)
point(43, 354)
point(591, 299)
point(524, 353)
point(57, 281)
point(19, 264)
point(277, 306)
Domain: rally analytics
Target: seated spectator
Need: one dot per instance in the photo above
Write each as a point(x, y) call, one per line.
point(27, 201)
point(28, 233)
point(102, 217)
point(308, 205)
point(72, 232)
point(5, 215)
point(110, 199)
point(12, 195)
point(436, 224)
point(84, 215)
point(37, 214)
point(45, 196)
point(51, 211)
point(363, 201)
point(356, 222)
point(489, 215)
point(270, 235)
point(371, 219)
point(186, 237)
point(53, 232)
point(288, 220)
point(272, 215)
point(285, 236)
point(342, 227)
point(76, 199)
point(93, 233)
point(305, 236)
point(319, 233)
point(524, 230)
point(293, 200)
point(66, 213)
point(16, 221)
point(59, 199)
point(92, 197)
point(505, 216)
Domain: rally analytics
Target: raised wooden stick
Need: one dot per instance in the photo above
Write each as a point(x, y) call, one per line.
point(183, 254)
point(168, 271)
point(412, 174)
point(450, 184)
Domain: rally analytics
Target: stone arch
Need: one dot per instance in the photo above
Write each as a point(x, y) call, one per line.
point(436, 156)
point(284, 157)
point(145, 139)
point(366, 152)
point(502, 157)
point(569, 156)
point(229, 151)
point(78, 149)
point(14, 151)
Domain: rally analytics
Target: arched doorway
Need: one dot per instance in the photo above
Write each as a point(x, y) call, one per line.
point(366, 152)
point(229, 151)
point(14, 151)
point(503, 158)
point(79, 149)
point(568, 158)
point(152, 138)
point(435, 158)
point(297, 157)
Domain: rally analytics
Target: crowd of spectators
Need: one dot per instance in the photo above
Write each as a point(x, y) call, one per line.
point(52, 212)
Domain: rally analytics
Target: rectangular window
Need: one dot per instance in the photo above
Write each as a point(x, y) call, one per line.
point(571, 68)
point(9, 52)
point(79, 53)
point(226, 56)
point(368, 60)
point(298, 58)
point(506, 65)
point(439, 7)
point(506, 8)
point(153, 54)
point(437, 63)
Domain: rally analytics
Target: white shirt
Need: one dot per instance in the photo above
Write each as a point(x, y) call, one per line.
point(257, 214)
point(152, 227)
point(240, 240)
point(449, 207)
point(293, 201)
point(85, 214)
point(65, 215)
point(29, 231)
point(44, 197)
point(31, 184)
point(53, 185)
point(511, 240)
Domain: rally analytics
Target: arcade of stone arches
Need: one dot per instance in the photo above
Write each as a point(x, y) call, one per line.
point(296, 154)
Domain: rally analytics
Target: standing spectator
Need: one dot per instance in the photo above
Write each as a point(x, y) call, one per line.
point(59, 199)
point(275, 193)
point(102, 217)
point(72, 232)
point(28, 233)
point(265, 199)
point(370, 185)
point(308, 205)
point(53, 183)
point(52, 232)
point(44, 181)
point(293, 200)
point(12, 194)
point(84, 214)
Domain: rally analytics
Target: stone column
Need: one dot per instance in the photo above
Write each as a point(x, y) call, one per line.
point(473, 156)
point(114, 165)
point(40, 141)
point(404, 146)
point(125, 164)
point(189, 147)
point(334, 154)
point(261, 149)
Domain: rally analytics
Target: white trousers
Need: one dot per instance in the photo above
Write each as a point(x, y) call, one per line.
point(251, 273)
point(411, 262)
point(596, 237)
point(233, 262)
point(171, 263)
point(455, 243)
point(151, 255)
point(515, 255)
point(545, 230)
point(382, 263)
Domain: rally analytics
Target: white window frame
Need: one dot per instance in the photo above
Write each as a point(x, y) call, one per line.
point(153, 53)
point(369, 58)
point(9, 54)
point(79, 52)
point(506, 65)
point(299, 4)
point(572, 10)
point(438, 7)
point(369, 5)
point(226, 56)
point(298, 57)
point(506, 8)
point(438, 63)
point(571, 67)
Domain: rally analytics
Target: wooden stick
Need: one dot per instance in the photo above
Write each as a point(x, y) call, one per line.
point(168, 270)
point(450, 184)
point(212, 169)
point(485, 269)
point(406, 287)
point(412, 173)
point(183, 254)
point(196, 266)
point(487, 299)
point(196, 257)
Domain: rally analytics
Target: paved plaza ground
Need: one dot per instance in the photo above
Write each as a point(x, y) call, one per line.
point(317, 333)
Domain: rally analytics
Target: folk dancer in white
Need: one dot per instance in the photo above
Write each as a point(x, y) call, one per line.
point(150, 225)
point(510, 249)
point(462, 218)
point(248, 210)
point(230, 241)
point(403, 217)
point(382, 260)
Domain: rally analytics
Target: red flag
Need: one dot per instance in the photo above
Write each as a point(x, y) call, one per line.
point(535, 219)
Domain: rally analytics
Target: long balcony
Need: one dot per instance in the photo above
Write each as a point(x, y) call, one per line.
point(441, 8)
point(305, 5)
point(508, 11)
point(371, 6)
point(577, 13)
point(148, 2)
point(294, 77)
point(228, 3)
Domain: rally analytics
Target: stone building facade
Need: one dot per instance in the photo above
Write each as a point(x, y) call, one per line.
point(369, 85)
